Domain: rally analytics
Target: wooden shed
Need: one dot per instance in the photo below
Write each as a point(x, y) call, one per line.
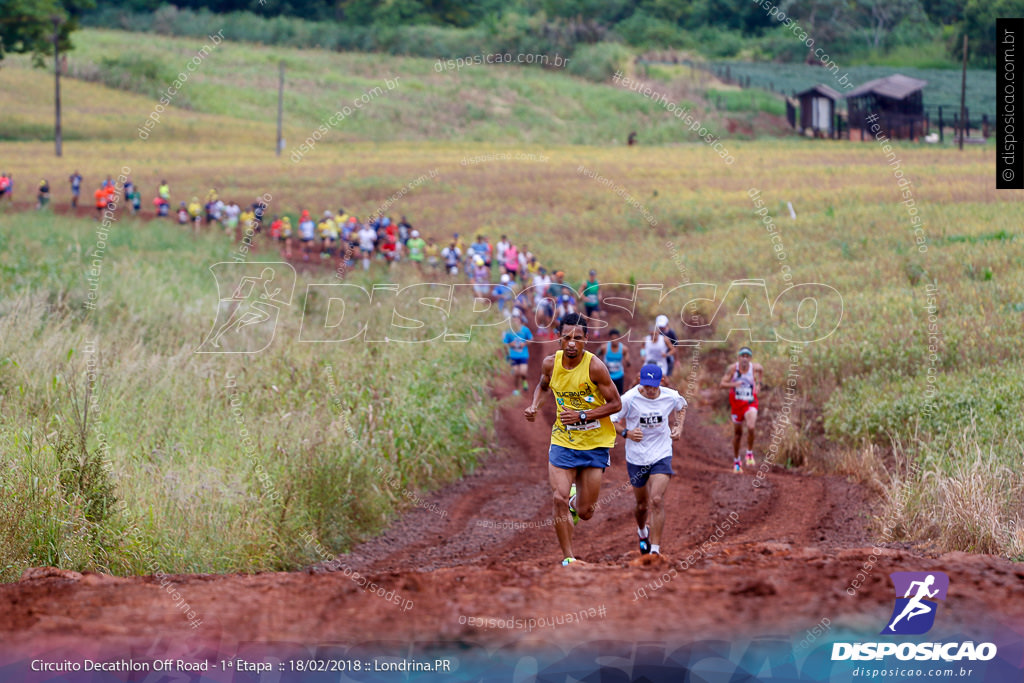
point(895, 103)
point(818, 110)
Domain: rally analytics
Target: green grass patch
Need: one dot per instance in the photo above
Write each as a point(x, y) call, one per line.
point(123, 450)
point(500, 102)
point(749, 100)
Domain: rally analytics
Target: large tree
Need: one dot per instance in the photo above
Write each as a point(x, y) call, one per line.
point(945, 12)
point(26, 26)
point(825, 21)
point(881, 16)
point(980, 26)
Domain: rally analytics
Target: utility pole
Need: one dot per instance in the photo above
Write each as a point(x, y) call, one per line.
point(56, 84)
point(280, 108)
point(963, 95)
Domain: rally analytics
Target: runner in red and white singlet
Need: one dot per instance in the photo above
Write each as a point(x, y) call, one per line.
point(743, 380)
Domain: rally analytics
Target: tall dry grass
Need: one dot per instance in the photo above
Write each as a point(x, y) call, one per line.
point(123, 450)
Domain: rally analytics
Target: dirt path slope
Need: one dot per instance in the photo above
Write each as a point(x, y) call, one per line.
point(791, 550)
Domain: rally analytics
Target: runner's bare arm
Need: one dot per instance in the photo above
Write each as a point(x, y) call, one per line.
point(603, 381)
point(637, 433)
point(546, 368)
point(677, 424)
point(727, 382)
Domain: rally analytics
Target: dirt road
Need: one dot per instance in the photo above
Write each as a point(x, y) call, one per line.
point(482, 561)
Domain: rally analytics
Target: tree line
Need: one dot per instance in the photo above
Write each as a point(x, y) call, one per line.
point(718, 28)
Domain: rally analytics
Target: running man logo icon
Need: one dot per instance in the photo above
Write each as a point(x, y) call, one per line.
point(251, 296)
point(914, 613)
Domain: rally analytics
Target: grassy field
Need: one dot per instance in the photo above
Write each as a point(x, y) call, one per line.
point(941, 453)
point(502, 102)
point(123, 450)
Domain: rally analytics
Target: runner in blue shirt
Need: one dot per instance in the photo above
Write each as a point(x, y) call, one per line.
point(515, 341)
point(503, 294)
point(76, 188)
point(616, 356)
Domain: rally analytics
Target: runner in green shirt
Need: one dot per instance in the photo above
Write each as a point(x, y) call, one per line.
point(589, 294)
point(417, 249)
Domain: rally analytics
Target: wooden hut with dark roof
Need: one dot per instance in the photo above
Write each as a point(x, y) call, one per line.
point(895, 103)
point(818, 111)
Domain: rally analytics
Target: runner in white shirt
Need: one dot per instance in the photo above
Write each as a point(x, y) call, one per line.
point(217, 212)
point(367, 241)
point(500, 248)
point(644, 423)
point(657, 347)
point(451, 255)
point(231, 213)
point(544, 306)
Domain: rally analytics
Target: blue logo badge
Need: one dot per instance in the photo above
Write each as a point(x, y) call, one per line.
point(914, 612)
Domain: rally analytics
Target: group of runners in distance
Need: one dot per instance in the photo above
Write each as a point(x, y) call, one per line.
point(592, 409)
point(593, 403)
point(344, 238)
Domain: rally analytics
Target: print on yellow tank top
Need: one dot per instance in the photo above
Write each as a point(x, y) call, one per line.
point(574, 390)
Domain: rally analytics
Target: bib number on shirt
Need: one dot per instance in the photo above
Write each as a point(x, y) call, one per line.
point(650, 421)
point(745, 392)
point(614, 367)
point(583, 426)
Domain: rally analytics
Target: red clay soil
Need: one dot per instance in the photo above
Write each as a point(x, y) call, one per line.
point(486, 551)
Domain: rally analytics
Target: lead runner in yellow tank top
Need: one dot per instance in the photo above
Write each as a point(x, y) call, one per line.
point(582, 433)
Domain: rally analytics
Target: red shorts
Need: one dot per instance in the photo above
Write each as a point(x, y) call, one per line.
point(739, 409)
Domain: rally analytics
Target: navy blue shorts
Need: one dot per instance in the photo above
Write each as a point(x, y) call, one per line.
point(639, 474)
point(570, 458)
point(518, 361)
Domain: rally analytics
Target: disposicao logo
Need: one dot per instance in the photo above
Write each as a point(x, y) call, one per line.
point(914, 613)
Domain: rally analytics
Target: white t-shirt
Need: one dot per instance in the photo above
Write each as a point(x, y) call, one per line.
point(367, 238)
point(653, 417)
point(657, 352)
point(541, 284)
point(451, 255)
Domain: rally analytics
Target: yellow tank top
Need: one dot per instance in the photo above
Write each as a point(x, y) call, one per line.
point(574, 390)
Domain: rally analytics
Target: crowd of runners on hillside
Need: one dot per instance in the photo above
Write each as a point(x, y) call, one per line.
point(504, 270)
point(321, 235)
point(594, 392)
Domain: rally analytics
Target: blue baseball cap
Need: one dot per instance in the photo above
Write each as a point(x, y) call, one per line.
point(650, 375)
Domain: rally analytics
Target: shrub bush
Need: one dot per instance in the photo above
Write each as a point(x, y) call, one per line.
point(600, 62)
